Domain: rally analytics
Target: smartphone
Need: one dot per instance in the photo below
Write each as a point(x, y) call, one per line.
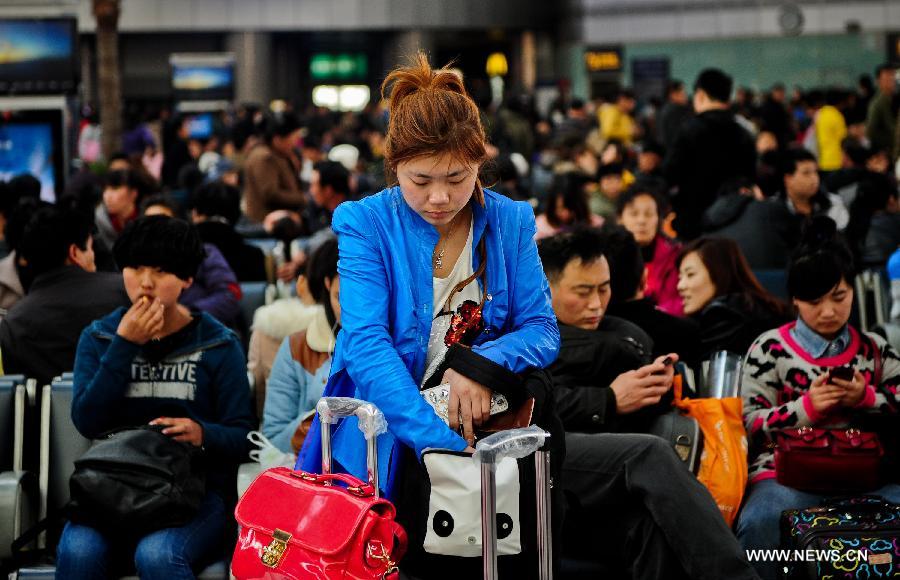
point(843, 373)
point(667, 362)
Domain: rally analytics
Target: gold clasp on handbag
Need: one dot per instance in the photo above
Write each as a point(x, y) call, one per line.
point(360, 490)
point(273, 553)
point(384, 557)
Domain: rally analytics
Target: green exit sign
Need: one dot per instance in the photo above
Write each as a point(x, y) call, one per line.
point(339, 66)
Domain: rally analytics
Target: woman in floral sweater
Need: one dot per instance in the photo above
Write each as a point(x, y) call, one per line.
point(787, 380)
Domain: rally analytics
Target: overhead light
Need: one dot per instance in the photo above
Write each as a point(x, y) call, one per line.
point(352, 98)
point(325, 96)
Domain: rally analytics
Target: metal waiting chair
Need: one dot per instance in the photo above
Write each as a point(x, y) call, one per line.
point(872, 297)
point(18, 488)
point(253, 295)
point(61, 445)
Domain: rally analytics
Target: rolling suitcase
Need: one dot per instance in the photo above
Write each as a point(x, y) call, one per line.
point(848, 537)
point(516, 444)
point(326, 526)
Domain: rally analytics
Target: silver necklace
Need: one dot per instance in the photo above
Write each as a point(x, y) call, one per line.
point(439, 261)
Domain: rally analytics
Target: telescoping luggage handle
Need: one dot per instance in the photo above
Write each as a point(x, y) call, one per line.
point(371, 423)
point(515, 444)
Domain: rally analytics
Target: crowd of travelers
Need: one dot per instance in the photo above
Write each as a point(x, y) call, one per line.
point(604, 240)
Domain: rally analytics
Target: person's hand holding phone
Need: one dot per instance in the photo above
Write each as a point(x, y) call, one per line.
point(668, 363)
point(824, 395)
point(852, 383)
point(645, 386)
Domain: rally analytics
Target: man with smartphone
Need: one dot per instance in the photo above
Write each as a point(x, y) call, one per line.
point(615, 477)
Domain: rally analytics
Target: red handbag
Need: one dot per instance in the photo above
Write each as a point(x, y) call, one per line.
point(828, 460)
point(305, 526)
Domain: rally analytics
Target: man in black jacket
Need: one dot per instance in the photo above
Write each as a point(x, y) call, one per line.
point(709, 149)
point(597, 350)
point(615, 479)
point(39, 336)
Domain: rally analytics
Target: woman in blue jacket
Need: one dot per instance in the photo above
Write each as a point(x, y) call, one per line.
point(433, 246)
point(397, 247)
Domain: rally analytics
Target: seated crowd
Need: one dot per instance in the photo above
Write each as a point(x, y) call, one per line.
point(651, 245)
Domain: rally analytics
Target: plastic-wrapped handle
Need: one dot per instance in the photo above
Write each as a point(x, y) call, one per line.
point(514, 443)
point(371, 423)
point(371, 419)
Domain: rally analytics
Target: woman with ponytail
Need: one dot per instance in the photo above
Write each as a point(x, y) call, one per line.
point(432, 249)
point(817, 371)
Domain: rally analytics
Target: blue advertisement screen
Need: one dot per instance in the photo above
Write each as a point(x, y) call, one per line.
point(203, 81)
point(37, 55)
point(200, 126)
point(28, 148)
point(202, 78)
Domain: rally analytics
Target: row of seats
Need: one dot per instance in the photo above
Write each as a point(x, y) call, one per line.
point(60, 445)
point(18, 488)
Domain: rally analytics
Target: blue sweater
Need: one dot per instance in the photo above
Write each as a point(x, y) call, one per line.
point(204, 378)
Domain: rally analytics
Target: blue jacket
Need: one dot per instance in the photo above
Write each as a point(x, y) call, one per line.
point(291, 393)
point(385, 251)
point(204, 378)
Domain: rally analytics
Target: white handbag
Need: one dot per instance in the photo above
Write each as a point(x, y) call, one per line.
point(454, 507)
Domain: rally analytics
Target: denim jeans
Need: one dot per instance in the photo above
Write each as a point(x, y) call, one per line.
point(758, 524)
point(170, 553)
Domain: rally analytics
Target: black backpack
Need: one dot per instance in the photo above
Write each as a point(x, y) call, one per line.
point(136, 481)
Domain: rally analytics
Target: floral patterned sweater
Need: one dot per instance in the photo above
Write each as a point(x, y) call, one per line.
point(776, 379)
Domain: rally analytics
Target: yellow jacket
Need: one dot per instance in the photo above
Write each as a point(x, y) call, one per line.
point(614, 124)
point(830, 131)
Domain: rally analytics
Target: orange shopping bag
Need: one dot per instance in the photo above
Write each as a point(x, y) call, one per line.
point(723, 463)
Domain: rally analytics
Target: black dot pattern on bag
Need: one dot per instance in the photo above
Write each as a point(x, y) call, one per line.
point(442, 523)
point(504, 526)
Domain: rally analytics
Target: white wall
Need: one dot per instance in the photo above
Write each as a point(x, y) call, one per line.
point(274, 15)
point(630, 21)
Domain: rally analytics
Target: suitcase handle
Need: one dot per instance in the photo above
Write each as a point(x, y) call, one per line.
point(371, 419)
point(862, 503)
point(514, 443)
point(371, 423)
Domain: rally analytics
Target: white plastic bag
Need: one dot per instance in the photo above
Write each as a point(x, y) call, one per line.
point(264, 457)
point(267, 455)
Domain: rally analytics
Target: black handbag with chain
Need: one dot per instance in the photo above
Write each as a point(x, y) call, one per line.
point(136, 481)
